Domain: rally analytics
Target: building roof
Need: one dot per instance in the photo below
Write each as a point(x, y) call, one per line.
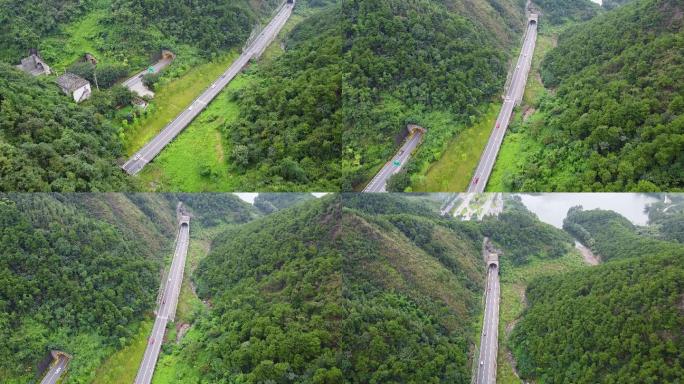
point(70, 82)
point(34, 65)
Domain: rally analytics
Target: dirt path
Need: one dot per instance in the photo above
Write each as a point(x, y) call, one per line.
point(587, 254)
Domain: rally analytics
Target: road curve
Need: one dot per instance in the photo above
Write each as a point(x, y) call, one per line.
point(379, 182)
point(148, 152)
point(486, 364)
point(167, 308)
point(513, 96)
point(55, 372)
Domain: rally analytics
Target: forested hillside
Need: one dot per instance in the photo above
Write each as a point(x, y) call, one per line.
point(429, 62)
point(615, 121)
point(324, 292)
point(412, 286)
point(127, 31)
point(79, 272)
point(48, 143)
point(668, 217)
point(209, 25)
point(619, 322)
point(71, 281)
point(274, 286)
point(288, 134)
point(272, 202)
point(522, 236)
point(561, 11)
point(612, 236)
point(23, 23)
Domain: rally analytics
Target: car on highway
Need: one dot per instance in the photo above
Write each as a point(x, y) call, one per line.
point(498, 125)
point(396, 163)
point(477, 179)
point(481, 362)
point(152, 340)
point(190, 109)
point(138, 156)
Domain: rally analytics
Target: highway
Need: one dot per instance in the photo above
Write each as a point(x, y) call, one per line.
point(379, 182)
point(56, 371)
point(513, 96)
point(135, 83)
point(486, 364)
point(166, 310)
point(253, 51)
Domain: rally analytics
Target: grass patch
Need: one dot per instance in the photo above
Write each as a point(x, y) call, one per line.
point(534, 89)
point(123, 365)
point(507, 161)
point(514, 281)
point(454, 169)
point(195, 160)
point(171, 368)
point(76, 39)
point(171, 98)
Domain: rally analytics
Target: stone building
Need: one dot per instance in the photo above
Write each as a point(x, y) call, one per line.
point(76, 86)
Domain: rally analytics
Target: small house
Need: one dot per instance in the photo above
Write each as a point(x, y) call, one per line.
point(34, 65)
point(76, 86)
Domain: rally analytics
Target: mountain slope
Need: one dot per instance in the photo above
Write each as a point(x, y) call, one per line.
point(411, 286)
point(274, 285)
point(287, 136)
point(612, 236)
point(615, 122)
point(70, 281)
point(429, 62)
point(619, 322)
point(47, 143)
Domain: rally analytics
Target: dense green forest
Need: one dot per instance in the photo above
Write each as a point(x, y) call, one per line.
point(522, 236)
point(129, 31)
point(612, 236)
point(272, 202)
point(428, 62)
point(411, 284)
point(561, 11)
point(211, 26)
point(288, 134)
point(614, 121)
point(69, 281)
point(668, 217)
point(619, 322)
point(48, 143)
point(79, 272)
point(274, 286)
point(324, 292)
point(24, 23)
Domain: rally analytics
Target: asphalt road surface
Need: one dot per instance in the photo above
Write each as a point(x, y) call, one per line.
point(135, 83)
point(486, 364)
point(254, 50)
point(513, 96)
point(56, 371)
point(167, 309)
point(379, 182)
